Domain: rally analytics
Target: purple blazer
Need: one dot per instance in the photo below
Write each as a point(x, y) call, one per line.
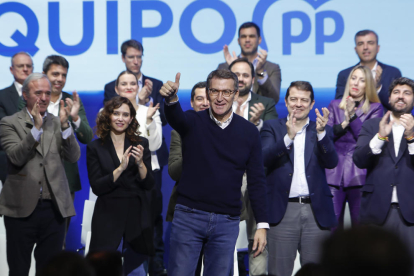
point(345, 145)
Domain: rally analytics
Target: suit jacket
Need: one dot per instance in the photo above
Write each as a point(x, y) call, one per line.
point(9, 102)
point(384, 171)
point(162, 153)
point(175, 166)
point(346, 170)
point(279, 163)
point(269, 104)
point(123, 207)
point(389, 73)
point(84, 134)
point(29, 163)
point(271, 87)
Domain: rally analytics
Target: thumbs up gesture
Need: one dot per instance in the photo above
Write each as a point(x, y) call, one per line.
point(169, 89)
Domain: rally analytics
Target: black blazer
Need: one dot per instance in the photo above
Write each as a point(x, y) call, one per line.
point(162, 152)
point(123, 207)
point(9, 103)
point(384, 171)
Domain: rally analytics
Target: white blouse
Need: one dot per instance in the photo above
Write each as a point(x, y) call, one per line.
point(153, 132)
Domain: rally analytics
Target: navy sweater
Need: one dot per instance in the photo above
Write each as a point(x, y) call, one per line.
point(214, 161)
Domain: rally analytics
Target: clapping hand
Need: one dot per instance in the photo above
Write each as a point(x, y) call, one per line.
point(74, 106)
point(407, 121)
point(291, 125)
point(321, 120)
point(151, 111)
point(385, 125)
point(145, 92)
point(125, 159)
point(256, 111)
point(37, 117)
point(64, 113)
point(261, 60)
point(227, 56)
point(138, 153)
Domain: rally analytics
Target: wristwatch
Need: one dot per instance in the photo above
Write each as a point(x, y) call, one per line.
point(261, 74)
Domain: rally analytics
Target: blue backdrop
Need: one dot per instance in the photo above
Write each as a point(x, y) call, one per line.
point(310, 39)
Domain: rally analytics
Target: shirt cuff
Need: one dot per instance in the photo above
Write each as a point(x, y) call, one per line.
point(265, 77)
point(411, 149)
point(260, 125)
point(263, 225)
point(288, 141)
point(321, 135)
point(36, 133)
point(67, 132)
point(376, 144)
point(77, 123)
point(171, 103)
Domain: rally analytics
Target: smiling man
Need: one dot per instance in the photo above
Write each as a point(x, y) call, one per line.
point(256, 109)
point(268, 76)
point(385, 148)
point(218, 147)
point(296, 152)
point(367, 48)
point(56, 69)
point(35, 199)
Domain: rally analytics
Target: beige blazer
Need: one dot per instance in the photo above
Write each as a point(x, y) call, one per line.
point(29, 162)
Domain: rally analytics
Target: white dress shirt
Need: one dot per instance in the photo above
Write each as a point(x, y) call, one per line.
point(19, 88)
point(299, 185)
point(376, 147)
point(53, 108)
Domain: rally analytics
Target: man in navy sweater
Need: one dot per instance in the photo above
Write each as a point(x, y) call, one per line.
point(218, 147)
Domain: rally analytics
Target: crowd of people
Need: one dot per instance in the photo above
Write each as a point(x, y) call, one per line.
point(232, 159)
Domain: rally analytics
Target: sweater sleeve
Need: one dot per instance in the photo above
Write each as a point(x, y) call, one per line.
point(256, 180)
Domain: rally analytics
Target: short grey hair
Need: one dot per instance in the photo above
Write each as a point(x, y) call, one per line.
point(21, 53)
point(33, 77)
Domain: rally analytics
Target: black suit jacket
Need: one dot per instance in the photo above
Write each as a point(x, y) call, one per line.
point(162, 152)
point(389, 73)
point(123, 207)
point(384, 171)
point(9, 104)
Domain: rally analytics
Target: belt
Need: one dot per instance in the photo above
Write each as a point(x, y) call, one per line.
point(301, 199)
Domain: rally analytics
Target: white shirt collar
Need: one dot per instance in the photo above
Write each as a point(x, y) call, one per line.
point(19, 88)
point(224, 124)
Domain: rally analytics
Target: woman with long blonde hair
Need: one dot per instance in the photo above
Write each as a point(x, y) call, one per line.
point(359, 103)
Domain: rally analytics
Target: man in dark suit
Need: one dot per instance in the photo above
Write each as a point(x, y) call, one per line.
point(268, 76)
point(56, 69)
point(385, 148)
point(296, 152)
point(256, 109)
point(367, 48)
point(10, 97)
point(149, 91)
point(35, 199)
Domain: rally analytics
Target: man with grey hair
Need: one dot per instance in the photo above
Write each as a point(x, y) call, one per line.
point(10, 97)
point(35, 200)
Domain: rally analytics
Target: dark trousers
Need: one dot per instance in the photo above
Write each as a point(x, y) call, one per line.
point(156, 264)
point(45, 227)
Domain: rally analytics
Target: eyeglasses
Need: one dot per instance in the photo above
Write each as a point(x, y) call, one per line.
point(216, 92)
